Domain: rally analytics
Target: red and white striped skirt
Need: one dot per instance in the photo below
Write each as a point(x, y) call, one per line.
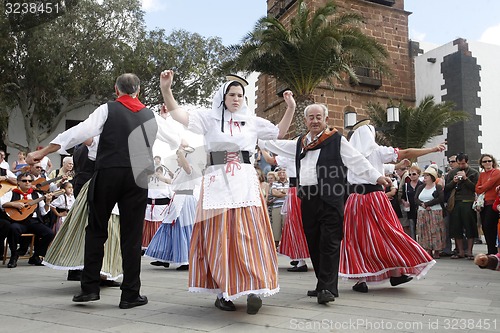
point(374, 242)
point(232, 252)
point(293, 240)
point(148, 231)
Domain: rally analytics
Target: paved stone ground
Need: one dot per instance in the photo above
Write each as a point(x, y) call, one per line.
point(454, 296)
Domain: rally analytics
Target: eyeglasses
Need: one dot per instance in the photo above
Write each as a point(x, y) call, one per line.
point(414, 174)
point(487, 161)
point(25, 180)
point(452, 161)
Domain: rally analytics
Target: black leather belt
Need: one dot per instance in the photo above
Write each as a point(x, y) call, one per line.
point(364, 188)
point(159, 201)
point(187, 192)
point(220, 157)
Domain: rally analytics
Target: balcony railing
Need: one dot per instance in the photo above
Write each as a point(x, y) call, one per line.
point(368, 77)
point(280, 7)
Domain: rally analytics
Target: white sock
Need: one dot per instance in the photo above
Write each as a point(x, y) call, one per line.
point(301, 263)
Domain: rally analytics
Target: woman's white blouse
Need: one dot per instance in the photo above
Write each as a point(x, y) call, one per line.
point(233, 184)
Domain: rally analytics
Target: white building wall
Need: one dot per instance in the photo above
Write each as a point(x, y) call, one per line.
point(428, 81)
point(18, 134)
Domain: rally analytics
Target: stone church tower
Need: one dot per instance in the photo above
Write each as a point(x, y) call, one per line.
point(387, 22)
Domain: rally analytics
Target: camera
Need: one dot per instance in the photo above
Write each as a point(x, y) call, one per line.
point(459, 177)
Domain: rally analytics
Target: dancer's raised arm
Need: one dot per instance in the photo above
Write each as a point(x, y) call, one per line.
point(178, 114)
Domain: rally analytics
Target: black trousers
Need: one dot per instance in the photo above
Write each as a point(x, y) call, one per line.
point(489, 222)
point(108, 187)
point(323, 227)
point(43, 235)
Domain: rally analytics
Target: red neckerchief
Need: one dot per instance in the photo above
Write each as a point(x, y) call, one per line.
point(25, 195)
point(133, 104)
point(317, 140)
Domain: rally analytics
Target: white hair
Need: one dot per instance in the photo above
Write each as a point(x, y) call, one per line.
point(322, 106)
point(67, 159)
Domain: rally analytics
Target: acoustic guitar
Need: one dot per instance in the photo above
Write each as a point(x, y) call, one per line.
point(29, 207)
point(6, 186)
point(43, 185)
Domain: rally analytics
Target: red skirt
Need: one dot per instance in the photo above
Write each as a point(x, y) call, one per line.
point(293, 240)
point(148, 231)
point(374, 242)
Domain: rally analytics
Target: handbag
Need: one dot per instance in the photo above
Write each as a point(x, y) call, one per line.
point(451, 201)
point(478, 202)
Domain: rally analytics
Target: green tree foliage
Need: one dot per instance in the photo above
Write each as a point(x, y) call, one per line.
point(315, 46)
point(416, 125)
point(73, 60)
point(63, 64)
point(195, 59)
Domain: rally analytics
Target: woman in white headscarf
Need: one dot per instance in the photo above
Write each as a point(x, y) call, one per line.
point(375, 247)
point(232, 250)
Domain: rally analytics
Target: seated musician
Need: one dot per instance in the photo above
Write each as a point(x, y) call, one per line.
point(15, 201)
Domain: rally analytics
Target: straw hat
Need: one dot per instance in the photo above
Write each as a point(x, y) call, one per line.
point(432, 172)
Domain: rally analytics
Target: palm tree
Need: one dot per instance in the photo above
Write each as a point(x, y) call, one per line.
point(416, 125)
point(315, 47)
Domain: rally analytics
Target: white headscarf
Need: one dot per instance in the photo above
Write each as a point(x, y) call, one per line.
point(363, 139)
point(218, 107)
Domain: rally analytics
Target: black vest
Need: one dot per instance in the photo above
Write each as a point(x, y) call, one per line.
point(34, 195)
point(127, 139)
point(84, 168)
point(330, 170)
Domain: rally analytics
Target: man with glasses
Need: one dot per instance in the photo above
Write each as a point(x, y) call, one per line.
point(462, 218)
point(31, 224)
point(452, 162)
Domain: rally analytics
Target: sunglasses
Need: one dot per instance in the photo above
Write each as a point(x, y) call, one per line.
point(452, 161)
point(26, 180)
point(414, 174)
point(487, 161)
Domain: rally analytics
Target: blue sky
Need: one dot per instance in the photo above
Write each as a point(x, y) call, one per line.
point(433, 21)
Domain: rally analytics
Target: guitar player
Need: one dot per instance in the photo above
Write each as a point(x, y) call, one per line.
point(31, 224)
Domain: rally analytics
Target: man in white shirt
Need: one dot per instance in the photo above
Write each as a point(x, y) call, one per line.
point(127, 131)
point(321, 157)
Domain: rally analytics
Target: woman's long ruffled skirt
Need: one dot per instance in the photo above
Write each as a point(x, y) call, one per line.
point(66, 251)
point(293, 240)
point(233, 252)
point(374, 242)
point(172, 240)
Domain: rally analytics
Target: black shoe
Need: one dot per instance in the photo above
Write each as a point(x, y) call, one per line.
point(35, 260)
point(142, 252)
point(400, 279)
point(160, 263)
point(86, 297)
point(74, 275)
point(140, 300)
point(294, 262)
point(325, 296)
point(312, 293)
point(109, 283)
point(298, 269)
point(445, 254)
point(254, 303)
point(224, 305)
point(360, 287)
point(13, 261)
point(182, 268)
point(478, 241)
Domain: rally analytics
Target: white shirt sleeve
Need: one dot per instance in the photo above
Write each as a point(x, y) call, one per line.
point(167, 133)
point(285, 148)
point(7, 197)
point(88, 128)
point(357, 163)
